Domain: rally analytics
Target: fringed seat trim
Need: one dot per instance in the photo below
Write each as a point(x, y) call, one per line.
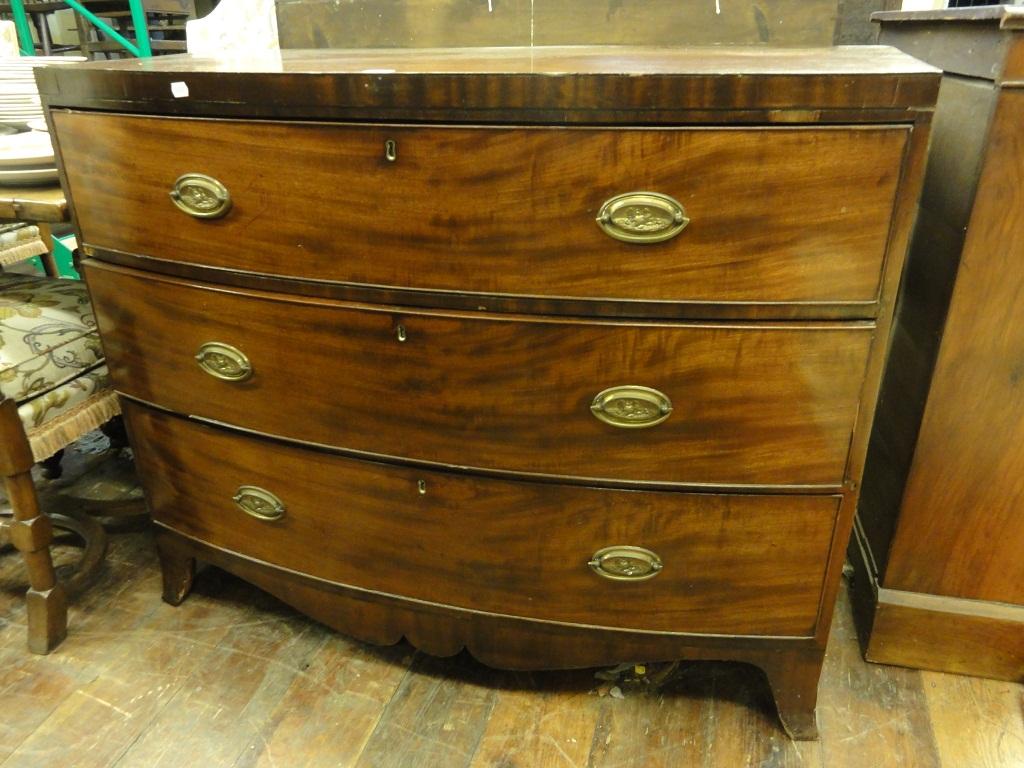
point(22, 251)
point(67, 427)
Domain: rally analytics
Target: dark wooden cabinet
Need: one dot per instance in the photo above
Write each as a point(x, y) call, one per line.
point(564, 356)
point(940, 576)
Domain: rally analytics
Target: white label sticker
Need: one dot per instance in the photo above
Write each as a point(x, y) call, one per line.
point(179, 90)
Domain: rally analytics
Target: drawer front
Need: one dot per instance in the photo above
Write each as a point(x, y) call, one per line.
point(750, 404)
point(775, 215)
point(736, 564)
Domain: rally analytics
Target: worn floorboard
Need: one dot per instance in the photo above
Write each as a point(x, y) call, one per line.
point(233, 678)
point(872, 714)
point(996, 706)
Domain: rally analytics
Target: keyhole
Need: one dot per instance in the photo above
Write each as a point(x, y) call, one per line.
point(400, 333)
point(390, 150)
point(421, 486)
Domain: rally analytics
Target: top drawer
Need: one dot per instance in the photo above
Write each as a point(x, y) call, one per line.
point(775, 214)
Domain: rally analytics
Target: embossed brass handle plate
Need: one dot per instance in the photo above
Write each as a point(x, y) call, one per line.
point(201, 196)
point(642, 217)
point(624, 563)
point(224, 362)
point(259, 503)
point(631, 407)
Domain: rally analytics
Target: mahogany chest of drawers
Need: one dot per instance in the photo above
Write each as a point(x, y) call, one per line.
point(564, 356)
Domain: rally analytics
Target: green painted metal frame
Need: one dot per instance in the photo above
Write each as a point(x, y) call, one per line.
point(140, 47)
point(22, 28)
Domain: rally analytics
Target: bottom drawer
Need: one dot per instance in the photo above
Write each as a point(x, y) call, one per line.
point(726, 564)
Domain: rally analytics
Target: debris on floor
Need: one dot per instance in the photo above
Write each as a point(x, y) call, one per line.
point(623, 679)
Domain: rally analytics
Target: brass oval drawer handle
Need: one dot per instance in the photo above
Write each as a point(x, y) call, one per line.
point(224, 362)
point(642, 217)
point(259, 503)
point(624, 563)
point(631, 407)
point(201, 196)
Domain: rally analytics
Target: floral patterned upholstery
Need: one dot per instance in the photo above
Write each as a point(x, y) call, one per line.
point(50, 355)
point(64, 399)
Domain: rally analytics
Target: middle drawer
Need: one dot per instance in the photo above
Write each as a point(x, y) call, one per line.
point(679, 403)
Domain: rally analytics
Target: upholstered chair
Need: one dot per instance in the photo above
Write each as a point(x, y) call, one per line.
point(53, 390)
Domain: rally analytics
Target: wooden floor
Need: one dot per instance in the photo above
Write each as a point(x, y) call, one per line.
point(234, 678)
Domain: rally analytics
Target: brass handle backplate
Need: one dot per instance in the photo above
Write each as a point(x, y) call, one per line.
point(624, 563)
point(259, 503)
point(642, 217)
point(201, 196)
point(223, 361)
point(631, 407)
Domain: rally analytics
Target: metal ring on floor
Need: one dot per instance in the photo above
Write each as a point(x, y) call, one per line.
point(94, 545)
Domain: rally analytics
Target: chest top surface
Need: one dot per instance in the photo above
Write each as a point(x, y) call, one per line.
point(563, 84)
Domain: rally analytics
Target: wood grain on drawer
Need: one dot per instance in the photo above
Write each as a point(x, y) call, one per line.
point(776, 214)
point(730, 564)
point(752, 403)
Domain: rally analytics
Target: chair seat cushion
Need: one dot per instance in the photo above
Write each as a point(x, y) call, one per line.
point(48, 335)
point(63, 400)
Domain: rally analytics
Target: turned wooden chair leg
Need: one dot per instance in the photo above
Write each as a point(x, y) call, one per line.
point(116, 433)
point(52, 467)
point(31, 533)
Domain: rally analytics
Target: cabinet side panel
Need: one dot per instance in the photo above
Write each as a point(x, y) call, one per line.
point(954, 164)
point(967, 481)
